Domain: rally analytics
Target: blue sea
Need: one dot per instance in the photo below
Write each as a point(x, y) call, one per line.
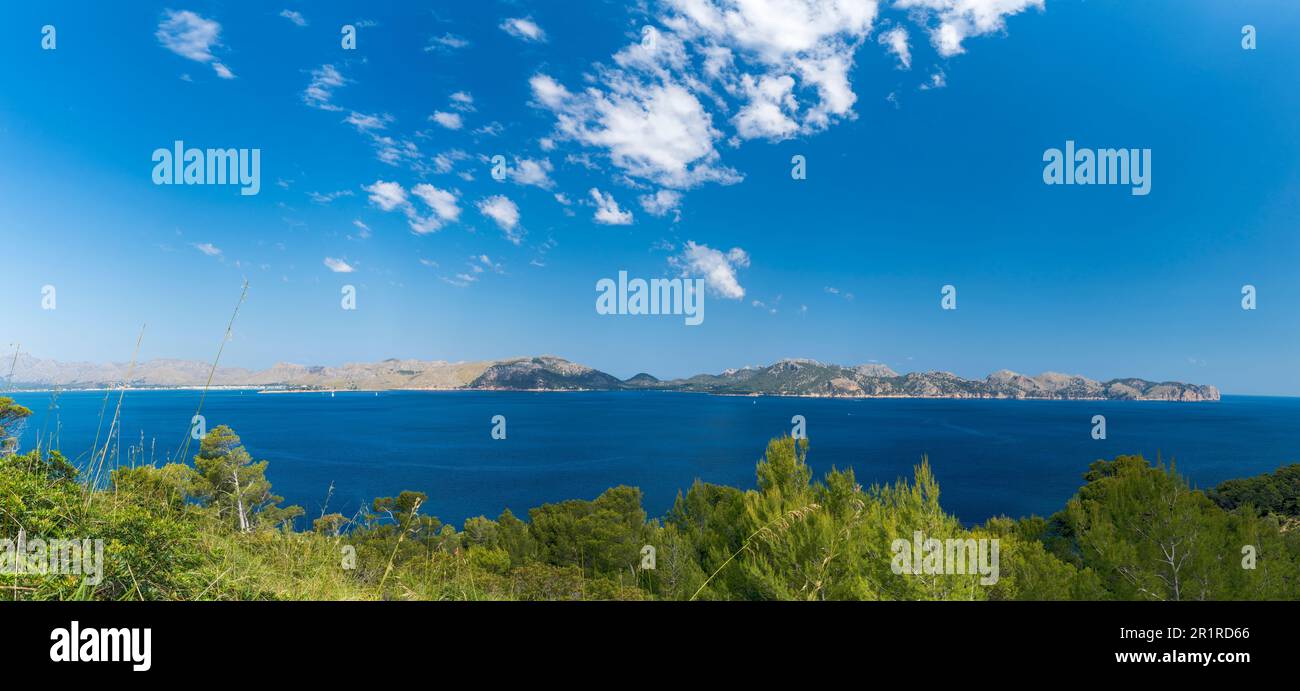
point(991, 457)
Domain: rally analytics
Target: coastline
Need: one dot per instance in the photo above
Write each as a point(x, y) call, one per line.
point(261, 390)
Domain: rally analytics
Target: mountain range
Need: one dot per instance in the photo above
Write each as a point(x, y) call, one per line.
point(791, 377)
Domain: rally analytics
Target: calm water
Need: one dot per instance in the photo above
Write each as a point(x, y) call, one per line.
point(991, 457)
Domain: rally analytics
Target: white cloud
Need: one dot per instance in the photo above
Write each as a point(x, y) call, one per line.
point(442, 202)
point(446, 42)
point(771, 108)
point(191, 36)
point(811, 42)
point(459, 280)
point(548, 92)
point(422, 225)
point(463, 101)
point(895, 40)
point(524, 28)
point(527, 171)
point(957, 20)
point(658, 132)
point(338, 266)
point(451, 121)
point(477, 266)
point(208, 248)
point(444, 162)
point(394, 151)
point(387, 195)
point(718, 269)
point(295, 17)
point(365, 122)
point(780, 67)
point(324, 80)
point(773, 30)
point(487, 262)
point(608, 211)
point(327, 197)
point(500, 209)
point(661, 203)
point(391, 196)
point(760, 69)
point(938, 80)
point(364, 230)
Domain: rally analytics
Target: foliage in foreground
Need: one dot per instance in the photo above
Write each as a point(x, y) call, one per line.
point(214, 530)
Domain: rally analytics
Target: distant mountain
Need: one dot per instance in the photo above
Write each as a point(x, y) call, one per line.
point(388, 374)
point(787, 377)
point(548, 373)
point(543, 373)
point(641, 379)
point(812, 378)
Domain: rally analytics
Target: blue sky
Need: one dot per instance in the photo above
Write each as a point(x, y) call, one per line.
point(924, 168)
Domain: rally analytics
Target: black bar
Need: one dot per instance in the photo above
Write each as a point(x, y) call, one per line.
point(934, 637)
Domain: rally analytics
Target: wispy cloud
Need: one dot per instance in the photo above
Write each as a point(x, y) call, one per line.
point(324, 80)
point(365, 122)
point(338, 266)
point(193, 37)
point(327, 197)
point(477, 265)
point(895, 40)
point(392, 150)
point(463, 101)
point(524, 29)
point(208, 248)
point(445, 162)
point(446, 42)
point(938, 80)
point(293, 16)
